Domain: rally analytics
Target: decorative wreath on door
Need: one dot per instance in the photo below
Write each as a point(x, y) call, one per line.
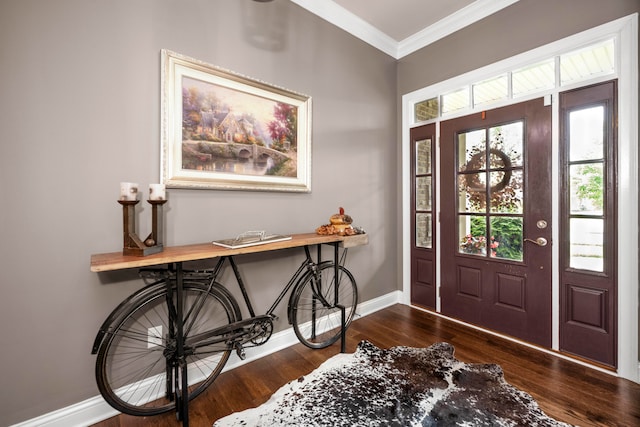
point(477, 162)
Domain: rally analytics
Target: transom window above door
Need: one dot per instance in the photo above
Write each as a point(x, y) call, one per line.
point(559, 71)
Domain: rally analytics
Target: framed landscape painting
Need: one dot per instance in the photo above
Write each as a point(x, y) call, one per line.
point(221, 130)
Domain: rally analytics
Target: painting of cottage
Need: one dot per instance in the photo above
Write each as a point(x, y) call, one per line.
point(230, 131)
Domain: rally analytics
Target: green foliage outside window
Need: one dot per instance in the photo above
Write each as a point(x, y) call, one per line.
point(589, 184)
point(505, 231)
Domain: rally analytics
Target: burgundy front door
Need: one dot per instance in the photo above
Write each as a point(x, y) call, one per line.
point(496, 210)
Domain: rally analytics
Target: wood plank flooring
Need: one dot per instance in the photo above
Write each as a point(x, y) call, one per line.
point(564, 390)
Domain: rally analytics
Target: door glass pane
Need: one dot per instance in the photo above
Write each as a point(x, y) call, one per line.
point(506, 145)
point(586, 133)
point(423, 230)
point(472, 192)
point(506, 238)
point(587, 244)
point(423, 157)
point(506, 191)
point(472, 151)
point(586, 189)
point(473, 231)
point(423, 193)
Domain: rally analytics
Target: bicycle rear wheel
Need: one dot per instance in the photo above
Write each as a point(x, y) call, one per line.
point(316, 319)
point(137, 367)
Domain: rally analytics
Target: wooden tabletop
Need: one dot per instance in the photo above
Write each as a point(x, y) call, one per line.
point(117, 261)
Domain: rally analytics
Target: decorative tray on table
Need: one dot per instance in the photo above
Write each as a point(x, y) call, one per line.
point(251, 238)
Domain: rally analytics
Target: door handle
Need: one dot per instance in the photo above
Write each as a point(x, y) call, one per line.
point(540, 241)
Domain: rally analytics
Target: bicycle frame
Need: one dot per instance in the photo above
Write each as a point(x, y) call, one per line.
point(232, 334)
point(307, 265)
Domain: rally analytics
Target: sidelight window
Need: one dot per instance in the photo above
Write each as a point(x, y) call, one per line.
point(423, 194)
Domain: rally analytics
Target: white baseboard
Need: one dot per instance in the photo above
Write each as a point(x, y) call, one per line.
point(80, 414)
point(95, 409)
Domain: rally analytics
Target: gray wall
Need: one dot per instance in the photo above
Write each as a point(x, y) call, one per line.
point(80, 112)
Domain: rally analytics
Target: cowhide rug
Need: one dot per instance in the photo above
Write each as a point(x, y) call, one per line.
point(401, 386)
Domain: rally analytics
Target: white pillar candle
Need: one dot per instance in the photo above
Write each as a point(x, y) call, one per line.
point(157, 192)
point(128, 191)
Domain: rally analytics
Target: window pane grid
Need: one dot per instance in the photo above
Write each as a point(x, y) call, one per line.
point(592, 61)
point(423, 193)
point(586, 172)
point(490, 192)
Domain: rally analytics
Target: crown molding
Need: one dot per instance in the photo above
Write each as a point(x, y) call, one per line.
point(466, 16)
point(356, 26)
point(351, 23)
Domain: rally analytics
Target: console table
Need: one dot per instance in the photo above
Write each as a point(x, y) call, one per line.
point(176, 255)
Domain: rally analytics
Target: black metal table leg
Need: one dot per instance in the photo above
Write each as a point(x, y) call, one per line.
point(343, 329)
point(182, 404)
point(336, 278)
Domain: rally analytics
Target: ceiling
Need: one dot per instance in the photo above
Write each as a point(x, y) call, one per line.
point(400, 27)
point(400, 19)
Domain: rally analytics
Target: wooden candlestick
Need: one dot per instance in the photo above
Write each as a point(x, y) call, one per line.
point(132, 245)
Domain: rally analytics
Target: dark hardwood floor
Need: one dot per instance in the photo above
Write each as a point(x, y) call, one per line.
point(564, 390)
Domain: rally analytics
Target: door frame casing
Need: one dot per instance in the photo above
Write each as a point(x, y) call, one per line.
point(626, 32)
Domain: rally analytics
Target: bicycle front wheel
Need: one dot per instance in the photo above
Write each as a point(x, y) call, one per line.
point(137, 369)
point(315, 306)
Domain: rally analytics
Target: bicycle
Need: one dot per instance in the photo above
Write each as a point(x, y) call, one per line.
point(140, 369)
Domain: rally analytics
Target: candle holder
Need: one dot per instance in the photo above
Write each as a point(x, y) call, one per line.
point(132, 244)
